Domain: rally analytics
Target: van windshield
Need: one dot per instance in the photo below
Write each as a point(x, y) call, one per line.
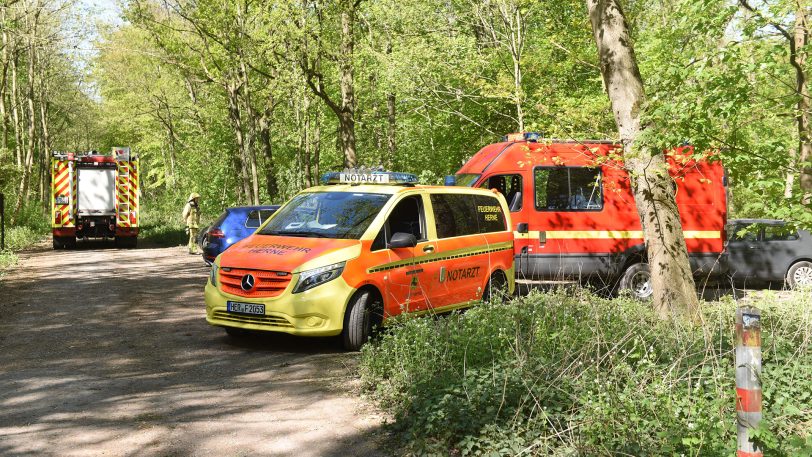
point(341, 215)
point(467, 179)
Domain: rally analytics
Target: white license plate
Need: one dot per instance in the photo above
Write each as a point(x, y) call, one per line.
point(245, 308)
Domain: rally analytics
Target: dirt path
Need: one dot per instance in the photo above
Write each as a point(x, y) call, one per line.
point(107, 352)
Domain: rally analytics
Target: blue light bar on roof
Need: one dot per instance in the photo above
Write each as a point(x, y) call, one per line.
point(532, 137)
point(368, 177)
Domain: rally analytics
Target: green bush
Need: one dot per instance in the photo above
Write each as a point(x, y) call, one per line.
point(580, 375)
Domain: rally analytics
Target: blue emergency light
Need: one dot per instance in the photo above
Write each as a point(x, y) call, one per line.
point(369, 177)
point(532, 137)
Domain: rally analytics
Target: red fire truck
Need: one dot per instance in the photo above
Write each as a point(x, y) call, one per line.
point(94, 196)
point(575, 217)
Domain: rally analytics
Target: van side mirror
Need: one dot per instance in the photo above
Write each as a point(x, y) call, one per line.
point(522, 227)
point(450, 180)
point(402, 240)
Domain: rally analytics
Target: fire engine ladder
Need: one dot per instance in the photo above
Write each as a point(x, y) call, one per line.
point(122, 193)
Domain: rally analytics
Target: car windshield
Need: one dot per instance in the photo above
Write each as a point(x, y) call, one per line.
point(467, 179)
point(343, 215)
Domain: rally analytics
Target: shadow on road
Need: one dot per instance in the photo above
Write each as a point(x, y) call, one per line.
point(108, 351)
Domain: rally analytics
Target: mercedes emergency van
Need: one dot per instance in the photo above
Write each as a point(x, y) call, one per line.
point(347, 256)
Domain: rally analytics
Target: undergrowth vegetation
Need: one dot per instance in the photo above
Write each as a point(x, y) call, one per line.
point(33, 228)
point(557, 374)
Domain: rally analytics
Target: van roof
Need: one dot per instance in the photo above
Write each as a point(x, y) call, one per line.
point(395, 189)
point(517, 155)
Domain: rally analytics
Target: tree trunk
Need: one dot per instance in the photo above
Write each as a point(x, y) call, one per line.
point(271, 184)
point(232, 90)
point(671, 276)
point(391, 139)
point(15, 112)
point(4, 81)
point(307, 139)
point(800, 37)
point(316, 144)
point(28, 163)
point(346, 117)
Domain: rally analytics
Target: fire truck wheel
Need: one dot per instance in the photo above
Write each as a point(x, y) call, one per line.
point(799, 275)
point(236, 332)
point(637, 280)
point(364, 313)
point(497, 288)
point(128, 242)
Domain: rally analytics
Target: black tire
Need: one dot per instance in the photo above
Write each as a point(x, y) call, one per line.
point(497, 288)
point(637, 281)
point(64, 242)
point(126, 242)
point(364, 313)
point(235, 332)
point(799, 275)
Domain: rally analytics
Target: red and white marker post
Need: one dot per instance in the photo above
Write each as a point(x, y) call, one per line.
point(748, 378)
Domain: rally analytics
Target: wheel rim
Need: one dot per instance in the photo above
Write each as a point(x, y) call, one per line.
point(640, 284)
point(803, 276)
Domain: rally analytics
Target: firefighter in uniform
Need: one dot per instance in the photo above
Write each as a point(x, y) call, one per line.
point(191, 217)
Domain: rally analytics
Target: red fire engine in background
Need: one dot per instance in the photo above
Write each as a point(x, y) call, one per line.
point(575, 217)
point(94, 196)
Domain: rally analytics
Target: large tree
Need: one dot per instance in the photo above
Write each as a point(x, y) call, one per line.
point(672, 280)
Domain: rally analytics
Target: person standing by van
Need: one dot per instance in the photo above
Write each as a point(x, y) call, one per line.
point(191, 217)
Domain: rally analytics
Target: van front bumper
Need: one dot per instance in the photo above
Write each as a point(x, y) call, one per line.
point(315, 312)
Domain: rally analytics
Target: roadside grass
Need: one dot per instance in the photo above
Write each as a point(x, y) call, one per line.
point(17, 239)
point(575, 374)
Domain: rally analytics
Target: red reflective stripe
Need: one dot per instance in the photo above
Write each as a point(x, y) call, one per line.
point(61, 179)
point(749, 454)
point(748, 400)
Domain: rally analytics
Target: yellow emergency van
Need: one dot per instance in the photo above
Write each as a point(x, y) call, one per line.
point(344, 257)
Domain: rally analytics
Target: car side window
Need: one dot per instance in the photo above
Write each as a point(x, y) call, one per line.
point(254, 219)
point(744, 233)
point(406, 217)
point(508, 185)
point(568, 188)
point(779, 233)
point(490, 215)
point(454, 215)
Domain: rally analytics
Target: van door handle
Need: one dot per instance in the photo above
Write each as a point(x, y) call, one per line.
point(428, 248)
point(542, 237)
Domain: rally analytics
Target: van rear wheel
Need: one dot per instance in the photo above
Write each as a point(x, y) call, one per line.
point(364, 312)
point(637, 280)
point(497, 288)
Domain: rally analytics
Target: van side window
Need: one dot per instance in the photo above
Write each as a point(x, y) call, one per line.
point(568, 189)
point(406, 217)
point(490, 215)
point(508, 185)
point(454, 215)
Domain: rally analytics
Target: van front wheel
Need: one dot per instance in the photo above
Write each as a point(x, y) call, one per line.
point(637, 280)
point(363, 313)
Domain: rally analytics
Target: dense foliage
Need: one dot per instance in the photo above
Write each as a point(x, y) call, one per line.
point(557, 374)
point(251, 101)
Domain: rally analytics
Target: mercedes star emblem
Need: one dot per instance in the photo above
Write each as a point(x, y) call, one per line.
point(247, 282)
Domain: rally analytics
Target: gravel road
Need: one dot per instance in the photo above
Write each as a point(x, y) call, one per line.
point(106, 351)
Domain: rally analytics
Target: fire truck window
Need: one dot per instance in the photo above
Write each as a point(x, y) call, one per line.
point(407, 217)
point(508, 185)
point(454, 215)
point(489, 212)
point(568, 189)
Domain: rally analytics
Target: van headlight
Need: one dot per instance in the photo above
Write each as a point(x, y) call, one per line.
point(311, 278)
point(213, 274)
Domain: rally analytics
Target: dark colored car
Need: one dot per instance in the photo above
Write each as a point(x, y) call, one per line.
point(769, 251)
point(233, 225)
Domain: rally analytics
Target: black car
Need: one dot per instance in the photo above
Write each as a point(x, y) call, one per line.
point(769, 251)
